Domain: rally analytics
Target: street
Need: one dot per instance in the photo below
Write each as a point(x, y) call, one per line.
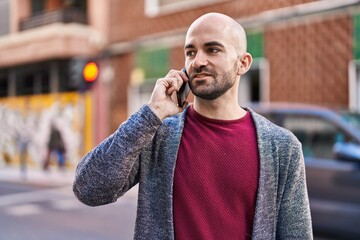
point(53, 213)
point(35, 212)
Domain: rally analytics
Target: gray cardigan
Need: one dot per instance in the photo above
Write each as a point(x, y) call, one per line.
point(144, 150)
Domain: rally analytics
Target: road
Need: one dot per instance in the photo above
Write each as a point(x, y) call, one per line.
point(43, 213)
point(47, 213)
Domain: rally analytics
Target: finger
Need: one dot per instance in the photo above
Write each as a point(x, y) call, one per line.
point(174, 85)
point(181, 76)
point(184, 76)
point(169, 85)
point(167, 82)
point(175, 81)
point(179, 82)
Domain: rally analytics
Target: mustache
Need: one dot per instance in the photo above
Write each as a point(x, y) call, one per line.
point(201, 70)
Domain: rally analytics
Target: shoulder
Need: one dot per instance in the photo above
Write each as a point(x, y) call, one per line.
point(268, 130)
point(278, 143)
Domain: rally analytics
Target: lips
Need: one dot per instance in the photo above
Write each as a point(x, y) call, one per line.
point(201, 75)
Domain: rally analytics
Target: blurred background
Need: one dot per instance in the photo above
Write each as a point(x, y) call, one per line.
point(72, 70)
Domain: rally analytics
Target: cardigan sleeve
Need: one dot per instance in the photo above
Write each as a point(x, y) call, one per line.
point(112, 167)
point(294, 219)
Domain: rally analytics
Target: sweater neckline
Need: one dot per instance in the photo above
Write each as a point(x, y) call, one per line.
point(202, 118)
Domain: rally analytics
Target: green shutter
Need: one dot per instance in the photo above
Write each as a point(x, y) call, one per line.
point(357, 36)
point(154, 62)
point(255, 44)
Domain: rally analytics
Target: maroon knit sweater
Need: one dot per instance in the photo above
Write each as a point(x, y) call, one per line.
point(216, 178)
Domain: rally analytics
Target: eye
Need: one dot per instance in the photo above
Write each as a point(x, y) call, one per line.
point(190, 53)
point(213, 50)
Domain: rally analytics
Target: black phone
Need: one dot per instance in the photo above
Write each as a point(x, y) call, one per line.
point(183, 91)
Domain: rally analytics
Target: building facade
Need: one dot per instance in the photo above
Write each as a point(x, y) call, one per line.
point(40, 40)
point(304, 51)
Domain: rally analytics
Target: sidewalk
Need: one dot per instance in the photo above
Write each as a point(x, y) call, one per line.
point(34, 176)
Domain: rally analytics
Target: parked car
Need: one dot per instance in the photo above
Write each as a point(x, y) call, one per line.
point(331, 146)
point(351, 117)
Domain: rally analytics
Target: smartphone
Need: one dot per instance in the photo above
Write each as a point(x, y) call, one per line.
point(183, 91)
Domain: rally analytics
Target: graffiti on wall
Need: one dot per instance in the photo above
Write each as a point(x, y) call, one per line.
point(26, 123)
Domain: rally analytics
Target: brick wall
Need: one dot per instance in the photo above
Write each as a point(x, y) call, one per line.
point(309, 62)
point(122, 65)
point(128, 20)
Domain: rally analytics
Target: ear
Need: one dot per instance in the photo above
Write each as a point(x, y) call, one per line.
point(245, 63)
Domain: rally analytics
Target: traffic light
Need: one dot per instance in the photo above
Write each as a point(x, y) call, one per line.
point(90, 72)
point(82, 73)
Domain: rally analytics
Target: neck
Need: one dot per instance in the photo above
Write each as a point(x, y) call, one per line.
point(218, 109)
point(225, 107)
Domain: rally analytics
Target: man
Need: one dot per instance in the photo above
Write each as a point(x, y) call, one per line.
point(213, 171)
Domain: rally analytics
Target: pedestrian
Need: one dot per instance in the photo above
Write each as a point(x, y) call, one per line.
point(211, 169)
point(55, 146)
point(23, 143)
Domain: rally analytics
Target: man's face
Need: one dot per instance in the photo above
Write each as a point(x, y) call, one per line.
point(211, 60)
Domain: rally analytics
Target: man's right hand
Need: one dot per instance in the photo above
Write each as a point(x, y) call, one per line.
point(161, 102)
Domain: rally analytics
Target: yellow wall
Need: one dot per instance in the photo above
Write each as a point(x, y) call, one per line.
point(28, 119)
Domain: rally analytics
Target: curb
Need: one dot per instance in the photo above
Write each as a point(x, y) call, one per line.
point(52, 178)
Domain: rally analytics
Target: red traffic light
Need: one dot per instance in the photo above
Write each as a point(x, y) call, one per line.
point(90, 72)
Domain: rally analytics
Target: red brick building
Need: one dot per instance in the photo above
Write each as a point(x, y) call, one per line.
point(304, 50)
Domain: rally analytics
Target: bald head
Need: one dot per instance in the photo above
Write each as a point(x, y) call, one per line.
point(228, 26)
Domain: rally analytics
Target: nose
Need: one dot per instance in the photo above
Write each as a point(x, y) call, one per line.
point(200, 60)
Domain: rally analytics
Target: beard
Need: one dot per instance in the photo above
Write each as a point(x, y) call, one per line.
point(219, 86)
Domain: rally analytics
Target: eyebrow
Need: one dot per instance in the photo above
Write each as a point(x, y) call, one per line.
point(207, 44)
point(213, 43)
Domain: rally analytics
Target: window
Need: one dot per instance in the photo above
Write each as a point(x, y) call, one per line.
point(32, 79)
point(356, 21)
point(78, 4)
point(317, 136)
point(4, 84)
point(255, 44)
point(4, 17)
point(38, 78)
point(354, 68)
point(43, 82)
point(62, 71)
point(150, 64)
point(25, 84)
point(37, 6)
point(354, 85)
point(40, 6)
point(153, 62)
point(44, 12)
point(254, 85)
point(156, 7)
